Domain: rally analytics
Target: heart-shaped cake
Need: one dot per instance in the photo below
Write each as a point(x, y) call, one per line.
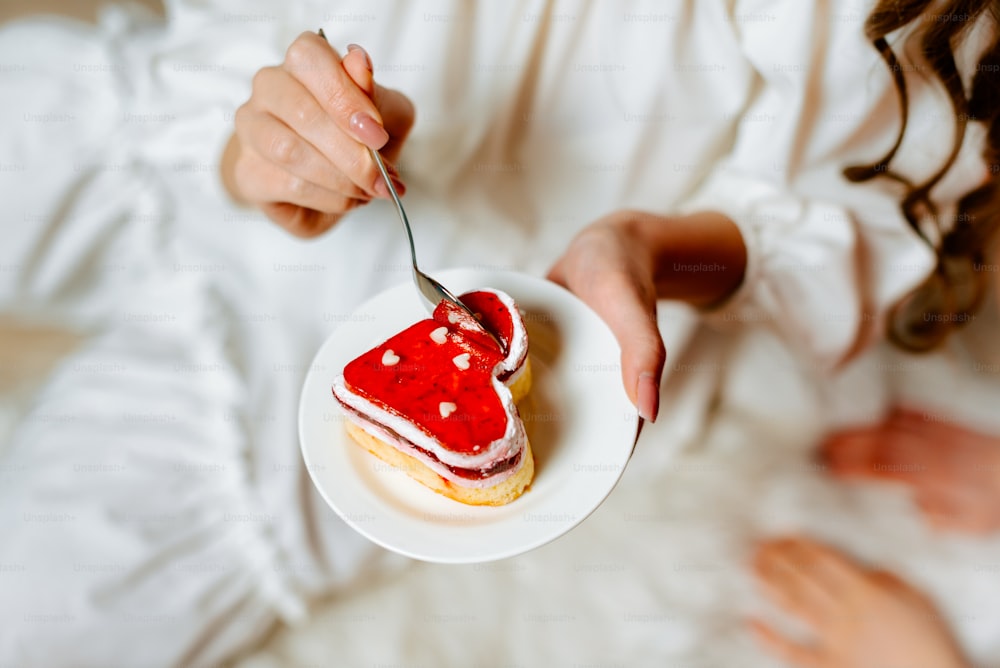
point(438, 400)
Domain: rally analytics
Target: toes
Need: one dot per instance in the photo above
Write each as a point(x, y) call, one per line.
point(832, 568)
point(901, 590)
point(794, 580)
point(949, 510)
point(888, 581)
point(922, 421)
point(850, 453)
point(885, 453)
point(787, 650)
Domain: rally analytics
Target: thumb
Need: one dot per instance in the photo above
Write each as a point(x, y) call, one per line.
point(628, 306)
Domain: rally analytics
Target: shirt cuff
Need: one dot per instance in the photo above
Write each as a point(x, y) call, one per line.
point(801, 276)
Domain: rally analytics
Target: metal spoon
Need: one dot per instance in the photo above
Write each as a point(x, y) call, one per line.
point(431, 292)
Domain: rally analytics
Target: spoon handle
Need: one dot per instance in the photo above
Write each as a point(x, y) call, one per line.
point(399, 205)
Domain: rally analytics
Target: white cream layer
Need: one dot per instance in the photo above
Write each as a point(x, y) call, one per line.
point(517, 348)
point(506, 446)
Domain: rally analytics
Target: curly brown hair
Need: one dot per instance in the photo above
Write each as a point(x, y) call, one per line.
point(953, 293)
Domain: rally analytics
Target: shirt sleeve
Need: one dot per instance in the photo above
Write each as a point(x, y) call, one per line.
point(811, 274)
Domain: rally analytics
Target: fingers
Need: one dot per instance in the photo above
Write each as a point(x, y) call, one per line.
point(317, 66)
point(788, 651)
point(616, 281)
point(345, 167)
point(627, 304)
point(298, 221)
point(302, 144)
point(266, 182)
point(397, 110)
point(629, 308)
point(290, 151)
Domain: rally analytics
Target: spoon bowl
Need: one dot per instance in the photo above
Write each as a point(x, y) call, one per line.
point(431, 292)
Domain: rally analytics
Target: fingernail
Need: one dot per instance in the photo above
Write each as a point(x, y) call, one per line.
point(368, 131)
point(358, 47)
point(381, 190)
point(648, 396)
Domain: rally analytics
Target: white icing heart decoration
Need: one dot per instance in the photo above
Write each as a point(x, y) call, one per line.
point(439, 335)
point(462, 361)
point(390, 358)
point(447, 408)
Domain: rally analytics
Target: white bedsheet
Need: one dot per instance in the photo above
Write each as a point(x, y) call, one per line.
point(659, 575)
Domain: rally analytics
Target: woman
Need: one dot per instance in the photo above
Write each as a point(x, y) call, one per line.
point(567, 111)
point(622, 264)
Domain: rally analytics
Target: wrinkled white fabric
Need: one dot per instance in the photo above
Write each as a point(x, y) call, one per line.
point(154, 509)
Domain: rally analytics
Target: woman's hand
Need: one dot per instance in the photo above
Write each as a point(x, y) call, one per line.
point(621, 264)
point(300, 147)
point(609, 267)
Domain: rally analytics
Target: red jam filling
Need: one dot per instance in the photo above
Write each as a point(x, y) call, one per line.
point(440, 379)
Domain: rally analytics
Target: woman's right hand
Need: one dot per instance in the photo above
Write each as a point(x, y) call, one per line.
point(300, 146)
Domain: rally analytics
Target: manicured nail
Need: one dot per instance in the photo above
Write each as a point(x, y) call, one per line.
point(648, 396)
point(367, 130)
point(368, 59)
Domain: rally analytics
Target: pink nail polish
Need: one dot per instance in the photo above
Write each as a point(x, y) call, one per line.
point(358, 47)
point(368, 131)
point(648, 396)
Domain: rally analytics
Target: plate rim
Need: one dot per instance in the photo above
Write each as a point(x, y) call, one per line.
point(457, 275)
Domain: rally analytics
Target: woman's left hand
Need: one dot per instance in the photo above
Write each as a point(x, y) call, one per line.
point(609, 267)
point(622, 263)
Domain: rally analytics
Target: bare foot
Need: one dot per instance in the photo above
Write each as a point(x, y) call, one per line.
point(859, 618)
point(953, 472)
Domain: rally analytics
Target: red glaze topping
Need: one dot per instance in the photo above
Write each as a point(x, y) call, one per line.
point(415, 375)
point(492, 312)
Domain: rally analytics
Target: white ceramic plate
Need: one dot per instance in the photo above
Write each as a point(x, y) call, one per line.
point(581, 425)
